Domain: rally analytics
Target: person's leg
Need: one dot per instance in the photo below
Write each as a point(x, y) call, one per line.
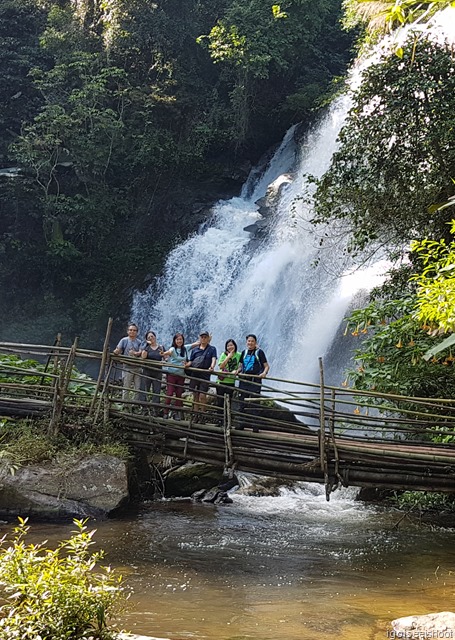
point(243, 388)
point(170, 390)
point(179, 382)
point(155, 384)
point(247, 389)
point(127, 382)
point(194, 388)
point(137, 382)
point(255, 407)
point(203, 389)
point(220, 391)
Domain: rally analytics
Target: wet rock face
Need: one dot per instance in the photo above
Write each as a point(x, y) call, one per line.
point(431, 625)
point(263, 486)
point(190, 478)
point(92, 486)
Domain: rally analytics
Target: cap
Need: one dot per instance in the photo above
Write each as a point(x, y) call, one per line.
point(204, 333)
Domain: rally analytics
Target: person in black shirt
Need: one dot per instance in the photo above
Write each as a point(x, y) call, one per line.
point(203, 360)
point(253, 368)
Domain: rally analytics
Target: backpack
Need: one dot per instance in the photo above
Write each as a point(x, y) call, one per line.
point(249, 362)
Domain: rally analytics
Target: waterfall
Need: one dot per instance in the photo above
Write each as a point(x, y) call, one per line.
point(225, 280)
point(232, 283)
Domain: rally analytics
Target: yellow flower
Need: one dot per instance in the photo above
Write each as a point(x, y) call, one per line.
point(399, 344)
point(356, 411)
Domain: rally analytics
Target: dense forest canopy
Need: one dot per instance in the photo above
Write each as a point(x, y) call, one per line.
point(121, 120)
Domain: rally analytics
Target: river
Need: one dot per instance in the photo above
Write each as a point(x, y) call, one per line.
point(292, 567)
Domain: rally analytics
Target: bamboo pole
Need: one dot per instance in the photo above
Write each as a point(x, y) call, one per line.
point(104, 359)
point(229, 455)
point(62, 389)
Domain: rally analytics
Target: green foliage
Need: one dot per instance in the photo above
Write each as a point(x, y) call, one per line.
point(14, 369)
point(424, 501)
point(23, 443)
point(388, 15)
point(27, 442)
point(396, 156)
point(390, 358)
point(436, 283)
point(61, 594)
point(124, 121)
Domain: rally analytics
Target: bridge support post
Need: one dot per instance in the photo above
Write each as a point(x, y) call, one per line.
point(104, 360)
point(322, 439)
point(227, 424)
point(61, 389)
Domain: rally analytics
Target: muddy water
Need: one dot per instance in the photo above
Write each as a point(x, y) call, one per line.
point(286, 568)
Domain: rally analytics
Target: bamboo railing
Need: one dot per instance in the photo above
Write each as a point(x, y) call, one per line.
point(312, 432)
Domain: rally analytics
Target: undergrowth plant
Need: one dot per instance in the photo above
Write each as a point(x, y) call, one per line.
point(61, 594)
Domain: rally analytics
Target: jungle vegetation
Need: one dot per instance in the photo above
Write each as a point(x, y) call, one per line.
point(391, 185)
point(120, 121)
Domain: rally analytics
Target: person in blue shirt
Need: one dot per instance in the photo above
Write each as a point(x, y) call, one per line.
point(253, 368)
point(176, 357)
point(201, 363)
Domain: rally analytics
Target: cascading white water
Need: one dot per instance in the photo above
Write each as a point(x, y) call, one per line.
point(221, 280)
point(218, 279)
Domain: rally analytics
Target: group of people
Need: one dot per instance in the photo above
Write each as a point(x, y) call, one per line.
point(196, 361)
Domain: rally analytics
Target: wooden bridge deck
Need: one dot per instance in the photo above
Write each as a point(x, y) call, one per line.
point(315, 433)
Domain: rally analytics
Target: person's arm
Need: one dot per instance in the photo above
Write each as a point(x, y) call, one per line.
point(265, 365)
point(165, 354)
point(119, 348)
point(223, 363)
point(240, 367)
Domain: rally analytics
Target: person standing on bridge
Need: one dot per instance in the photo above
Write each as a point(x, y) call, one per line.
point(228, 363)
point(203, 359)
point(177, 356)
point(253, 368)
point(151, 353)
point(130, 346)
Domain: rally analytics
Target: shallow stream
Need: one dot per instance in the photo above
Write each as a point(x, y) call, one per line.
point(292, 567)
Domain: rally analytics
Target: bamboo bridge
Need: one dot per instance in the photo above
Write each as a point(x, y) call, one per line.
point(293, 430)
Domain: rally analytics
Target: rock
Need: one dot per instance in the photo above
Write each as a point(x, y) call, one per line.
point(191, 477)
point(214, 495)
point(373, 494)
point(431, 625)
point(252, 485)
point(90, 486)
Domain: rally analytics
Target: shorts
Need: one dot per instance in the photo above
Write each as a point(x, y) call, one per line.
point(199, 381)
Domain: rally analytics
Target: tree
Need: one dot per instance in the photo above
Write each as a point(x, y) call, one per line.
point(396, 156)
point(390, 357)
point(380, 16)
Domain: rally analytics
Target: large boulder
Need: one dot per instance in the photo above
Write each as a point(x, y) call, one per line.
point(431, 625)
point(191, 477)
point(92, 486)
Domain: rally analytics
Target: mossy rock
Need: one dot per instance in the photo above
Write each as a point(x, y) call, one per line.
point(190, 478)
